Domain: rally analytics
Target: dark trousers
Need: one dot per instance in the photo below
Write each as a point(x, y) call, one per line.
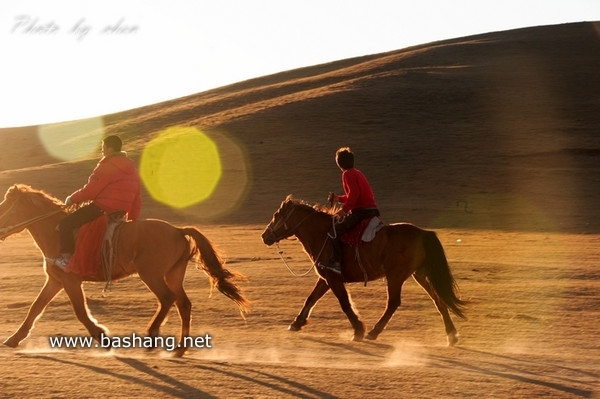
point(345, 225)
point(67, 226)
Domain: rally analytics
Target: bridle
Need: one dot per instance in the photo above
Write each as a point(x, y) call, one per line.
point(291, 232)
point(273, 229)
point(8, 230)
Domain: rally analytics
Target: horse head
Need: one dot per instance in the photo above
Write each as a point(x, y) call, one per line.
point(278, 228)
point(288, 219)
point(23, 206)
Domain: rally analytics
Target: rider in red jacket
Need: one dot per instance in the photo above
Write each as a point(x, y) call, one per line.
point(358, 204)
point(113, 186)
point(359, 194)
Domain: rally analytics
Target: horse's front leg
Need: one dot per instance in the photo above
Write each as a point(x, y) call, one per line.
point(317, 293)
point(339, 289)
point(73, 288)
point(51, 287)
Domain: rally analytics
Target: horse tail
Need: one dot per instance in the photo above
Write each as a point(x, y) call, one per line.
point(439, 274)
point(208, 260)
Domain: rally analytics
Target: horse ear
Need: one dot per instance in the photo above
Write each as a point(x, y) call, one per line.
point(11, 190)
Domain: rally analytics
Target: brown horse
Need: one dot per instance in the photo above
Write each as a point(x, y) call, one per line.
point(398, 251)
point(154, 249)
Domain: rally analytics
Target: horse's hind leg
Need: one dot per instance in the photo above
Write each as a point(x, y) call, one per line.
point(451, 332)
point(317, 293)
point(338, 288)
point(394, 293)
point(51, 287)
point(174, 281)
point(165, 296)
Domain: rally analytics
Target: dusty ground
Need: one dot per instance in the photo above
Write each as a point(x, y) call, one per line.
point(531, 331)
point(491, 141)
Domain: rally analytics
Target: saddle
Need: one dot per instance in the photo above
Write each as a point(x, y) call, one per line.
point(365, 231)
point(94, 246)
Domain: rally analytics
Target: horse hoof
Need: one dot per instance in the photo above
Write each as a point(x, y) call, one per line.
point(357, 338)
point(359, 332)
point(297, 325)
point(179, 352)
point(371, 336)
point(11, 343)
point(452, 339)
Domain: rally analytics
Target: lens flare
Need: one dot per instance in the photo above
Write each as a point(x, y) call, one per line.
point(72, 140)
point(181, 167)
point(500, 211)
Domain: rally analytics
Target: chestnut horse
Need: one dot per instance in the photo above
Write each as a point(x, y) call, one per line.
point(398, 251)
point(154, 249)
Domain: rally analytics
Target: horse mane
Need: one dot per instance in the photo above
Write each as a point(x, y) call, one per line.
point(326, 209)
point(39, 196)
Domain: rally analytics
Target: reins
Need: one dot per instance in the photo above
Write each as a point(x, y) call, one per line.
point(314, 263)
point(293, 273)
point(7, 231)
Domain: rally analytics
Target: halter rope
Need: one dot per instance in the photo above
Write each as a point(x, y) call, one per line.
point(8, 230)
point(293, 273)
point(280, 251)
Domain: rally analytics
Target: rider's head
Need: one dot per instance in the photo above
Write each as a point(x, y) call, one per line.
point(344, 158)
point(111, 144)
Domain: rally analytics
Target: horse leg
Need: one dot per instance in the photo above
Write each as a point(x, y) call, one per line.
point(174, 279)
point(394, 293)
point(74, 290)
point(165, 297)
point(51, 287)
point(451, 332)
point(339, 289)
point(317, 293)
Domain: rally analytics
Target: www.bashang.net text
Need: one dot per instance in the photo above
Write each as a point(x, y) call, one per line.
point(169, 343)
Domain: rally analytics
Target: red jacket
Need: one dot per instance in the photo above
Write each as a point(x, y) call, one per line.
point(359, 194)
point(114, 185)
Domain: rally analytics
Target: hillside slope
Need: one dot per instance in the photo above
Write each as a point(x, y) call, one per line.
point(494, 131)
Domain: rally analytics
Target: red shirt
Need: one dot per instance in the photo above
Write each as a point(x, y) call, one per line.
point(358, 191)
point(114, 185)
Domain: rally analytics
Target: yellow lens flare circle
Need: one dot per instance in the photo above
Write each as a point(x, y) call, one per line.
point(68, 141)
point(180, 167)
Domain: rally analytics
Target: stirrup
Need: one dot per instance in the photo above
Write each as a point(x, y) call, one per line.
point(62, 261)
point(333, 266)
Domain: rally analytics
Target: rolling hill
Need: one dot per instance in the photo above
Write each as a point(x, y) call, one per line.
point(494, 131)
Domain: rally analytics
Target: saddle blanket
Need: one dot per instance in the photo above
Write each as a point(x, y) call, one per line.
point(365, 231)
point(87, 258)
